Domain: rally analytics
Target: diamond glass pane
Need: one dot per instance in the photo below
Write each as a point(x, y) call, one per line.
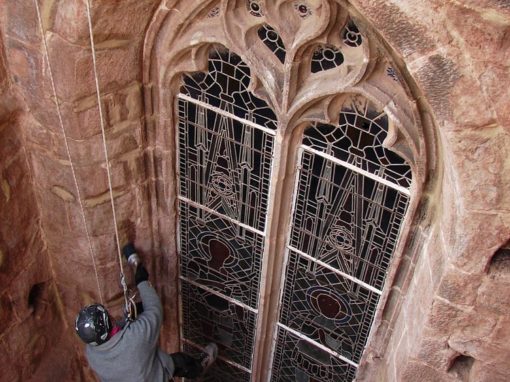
point(358, 140)
point(345, 219)
point(225, 85)
point(220, 255)
point(327, 308)
point(220, 371)
point(210, 318)
point(224, 164)
point(297, 360)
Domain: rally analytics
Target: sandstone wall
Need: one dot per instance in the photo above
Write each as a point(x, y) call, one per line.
point(119, 33)
point(30, 318)
point(446, 318)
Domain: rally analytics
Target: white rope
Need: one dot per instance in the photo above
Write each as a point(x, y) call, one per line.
point(78, 193)
point(103, 134)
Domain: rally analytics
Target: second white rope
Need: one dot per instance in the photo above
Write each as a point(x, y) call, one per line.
point(103, 134)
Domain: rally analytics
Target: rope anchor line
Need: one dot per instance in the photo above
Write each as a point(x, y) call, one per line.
point(130, 306)
point(68, 152)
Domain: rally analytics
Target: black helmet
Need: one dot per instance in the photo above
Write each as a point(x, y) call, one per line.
point(93, 324)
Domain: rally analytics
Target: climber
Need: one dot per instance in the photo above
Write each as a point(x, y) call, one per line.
point(131, 353)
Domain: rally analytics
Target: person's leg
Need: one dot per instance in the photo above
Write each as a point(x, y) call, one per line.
point(186, 366)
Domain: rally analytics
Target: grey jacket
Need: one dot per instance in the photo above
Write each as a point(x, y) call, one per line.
point(132, 355)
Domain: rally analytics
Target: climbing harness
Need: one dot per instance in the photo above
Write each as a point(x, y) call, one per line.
point(129, 301)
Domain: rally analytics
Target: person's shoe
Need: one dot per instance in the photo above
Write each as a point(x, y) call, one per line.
point(130, 254)
point(208, 356)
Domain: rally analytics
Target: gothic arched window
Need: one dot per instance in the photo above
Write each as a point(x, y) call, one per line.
point(298, 161)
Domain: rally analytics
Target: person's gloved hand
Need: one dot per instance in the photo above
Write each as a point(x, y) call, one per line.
point(141, 274)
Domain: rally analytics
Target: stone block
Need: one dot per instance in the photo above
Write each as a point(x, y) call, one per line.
point(18, 257)
point(129, 169)
point(437, 76)
point(42, 139)
point(114, 21)
point(471, 248)
point(72, 68)
point(443, 317)
point(31, 292)
point(28, 69)
point(20, 21)
point(7, 316)
point(124, 104)
point(116, 68)
point(71, 245)
point(11, 142)
point(69, 20)
point(458, 287)
point(10, 368)
point(435, 352)
point(501, 333)
point(29, 346)
point(494, 296)
point(486, 26)
point(479, 152)
point(468, 335)
point(399, 27)
point(491, 80)
point(81, 117)
point(417, 371)
point(101, 219)
point(469, 111)
point(50, 171)
point(485, 372)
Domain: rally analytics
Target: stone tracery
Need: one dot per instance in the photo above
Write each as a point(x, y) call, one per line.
point(288, 78)
point(450, 58)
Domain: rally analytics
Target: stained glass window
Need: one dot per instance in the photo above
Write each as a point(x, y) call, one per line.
point(225, 139)
point(350, 200)
point(326, 57)
point(273, 41)
point(254, 8)
point(225, 86)
point(351, 35)
point(351, 196)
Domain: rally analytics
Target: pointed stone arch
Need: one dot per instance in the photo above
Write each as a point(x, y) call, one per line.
point(180, 40)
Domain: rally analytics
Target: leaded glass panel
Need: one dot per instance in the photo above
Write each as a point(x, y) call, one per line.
point(298, 360)
point(225, 85)
point(345, 219)
point(349, 203)
point(326, 57)
point(208, 318)
point(220, 371)
point(273, 41)
point(219, 254)
point(351, 35)
point(224, 165)
point(326, 307)
point(358, 140)
point(225, 148)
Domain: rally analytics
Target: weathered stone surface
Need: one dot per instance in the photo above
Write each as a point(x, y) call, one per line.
point(416, 371)
point(453, 301)
point(458, 287)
